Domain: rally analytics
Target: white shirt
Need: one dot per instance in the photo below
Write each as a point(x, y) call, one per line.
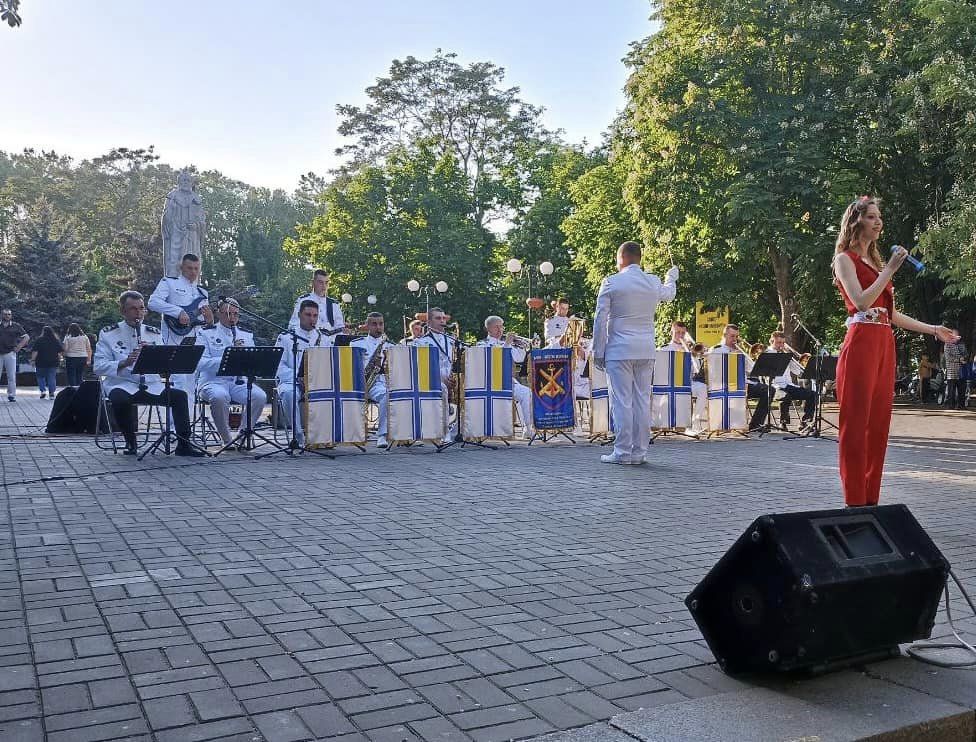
point(794, 369)
point(323, 302)
point(115, 342)
point(370, 344)
point(623, 328)
point(214, 341)
point(315, 338)
point(518, 354)
point(723, 348)
point(554, 329)
point(447, 347)
point(169, 297)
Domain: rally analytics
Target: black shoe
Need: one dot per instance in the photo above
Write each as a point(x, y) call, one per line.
point(130, 450)
point(189, 451)
point(784, 423)
point(42, 395)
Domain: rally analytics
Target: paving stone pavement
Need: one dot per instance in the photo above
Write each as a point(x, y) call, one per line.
point(469, 595)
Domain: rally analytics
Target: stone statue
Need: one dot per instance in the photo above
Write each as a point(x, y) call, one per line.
point(184, 222)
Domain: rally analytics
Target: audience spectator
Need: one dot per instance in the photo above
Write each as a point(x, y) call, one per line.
point(955, 359)
point(13, 337)
point(46, 356)
point(925, 371)
point(77, 353)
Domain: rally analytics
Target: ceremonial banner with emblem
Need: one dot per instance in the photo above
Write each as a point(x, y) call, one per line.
point(726, 391)
point(671, 404)
point(600, 422)
point(489, 404)
point(551, 374)
point(417, 409)
point(335, 400)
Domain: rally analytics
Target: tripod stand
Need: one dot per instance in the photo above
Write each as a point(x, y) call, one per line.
point(164, 361)
point(770, 366)
point(250, 363)
point(824, 369)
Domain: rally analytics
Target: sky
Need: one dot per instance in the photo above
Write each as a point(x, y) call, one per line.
point(250, 88)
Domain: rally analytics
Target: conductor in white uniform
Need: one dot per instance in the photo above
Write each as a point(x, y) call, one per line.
point(623, 344)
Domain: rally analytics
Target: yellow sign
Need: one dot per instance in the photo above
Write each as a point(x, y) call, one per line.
point(708, 325)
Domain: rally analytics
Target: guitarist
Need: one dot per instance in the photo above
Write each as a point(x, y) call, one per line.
point(330, 313)
point(169, 299)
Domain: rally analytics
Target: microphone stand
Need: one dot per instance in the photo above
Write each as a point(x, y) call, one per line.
point(293, 447)
point(814, 431)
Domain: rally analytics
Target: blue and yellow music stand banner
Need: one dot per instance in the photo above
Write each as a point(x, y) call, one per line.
point(489, 410)
point(551, 374)
point(418, 407)
point(726, 392)
point(671, 404)
point(335, 400)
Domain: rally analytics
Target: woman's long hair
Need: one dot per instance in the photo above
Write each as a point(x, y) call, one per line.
point(850, 229)
point(47, 332)
point(74, 329)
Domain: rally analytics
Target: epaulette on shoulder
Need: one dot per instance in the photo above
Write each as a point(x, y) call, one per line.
point(150, 329)
point(109, 328)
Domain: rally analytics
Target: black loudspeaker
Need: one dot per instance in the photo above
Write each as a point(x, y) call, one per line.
point(75, 409)
point(820, 590)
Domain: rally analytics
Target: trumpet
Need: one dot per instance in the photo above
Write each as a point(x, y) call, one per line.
point(753, 351)
point(698, 350)
point(523, 343)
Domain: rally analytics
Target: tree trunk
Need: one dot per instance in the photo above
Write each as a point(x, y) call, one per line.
point(788, 306)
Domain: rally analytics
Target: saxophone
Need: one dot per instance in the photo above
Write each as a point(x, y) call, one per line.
point(374, 366)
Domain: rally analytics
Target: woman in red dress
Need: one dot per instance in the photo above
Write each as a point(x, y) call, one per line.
point(866, 368)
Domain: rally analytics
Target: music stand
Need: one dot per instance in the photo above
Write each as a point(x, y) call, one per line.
point(250, 362)
point(822, 369)
point(769, 366)
point(164, 361)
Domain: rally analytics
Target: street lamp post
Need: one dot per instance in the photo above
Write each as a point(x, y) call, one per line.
point(414, 287)
point(517, 269)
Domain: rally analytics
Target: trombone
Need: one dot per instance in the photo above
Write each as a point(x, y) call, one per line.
point(801, 358)
point(697, 350)
point(753, 351)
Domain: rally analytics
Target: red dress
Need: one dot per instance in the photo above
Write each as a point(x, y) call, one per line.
point(865, 392)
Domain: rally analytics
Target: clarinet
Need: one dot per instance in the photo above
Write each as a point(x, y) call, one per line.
point(233, 334)
point(142, 378)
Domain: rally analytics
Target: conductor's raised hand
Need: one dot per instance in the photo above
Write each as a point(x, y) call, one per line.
point(672, 274)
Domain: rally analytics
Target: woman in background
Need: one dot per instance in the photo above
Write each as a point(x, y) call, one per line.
point(77, 354)
point(46, 356)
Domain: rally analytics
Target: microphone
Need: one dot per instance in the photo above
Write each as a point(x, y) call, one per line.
point(917, 264)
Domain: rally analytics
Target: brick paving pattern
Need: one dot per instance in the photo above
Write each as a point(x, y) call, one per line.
point(469, 595)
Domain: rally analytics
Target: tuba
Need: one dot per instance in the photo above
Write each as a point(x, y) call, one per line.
point(574, 332)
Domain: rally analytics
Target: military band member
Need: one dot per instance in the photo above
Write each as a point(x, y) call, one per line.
point(375, 337)
point(308, 319)
point(415, 331)
point(754, 389)
point(679, 333)
point(448, 347)
point(581, 382)
point(116, 353)
point(330, 313)
point(495, 327)
point(169, 298)
point(784, 383)
point(557, 325)
point(220, 391)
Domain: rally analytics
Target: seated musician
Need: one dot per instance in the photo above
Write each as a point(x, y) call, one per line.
point(679, 341)
point(415, 331)
point(557, 325)
point(754, 389)
point(330, 313)
point(581, 370)
point(308, 320)
point(447, 345)
point(374, 345)
point(791, 391)
point(115, 354)
point(220, 391)
point(496, 337)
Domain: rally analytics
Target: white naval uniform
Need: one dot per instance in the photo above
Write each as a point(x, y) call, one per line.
point(554, 328)
point(522, 394)
point(168, 298)
point(448, 352)
point(623, 337)
point(323, 321)
point(786, 378)
point(699, 390)
point(115, 342)
point(377, 392)
point(286, 372)
point(220, 391)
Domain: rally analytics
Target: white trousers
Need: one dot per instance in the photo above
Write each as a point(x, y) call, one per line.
point(9, 365)
point(630, 385)
point(377, 393)
point(700, 415)
point(523, 398)
point(285, 395)
point(221, 395)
